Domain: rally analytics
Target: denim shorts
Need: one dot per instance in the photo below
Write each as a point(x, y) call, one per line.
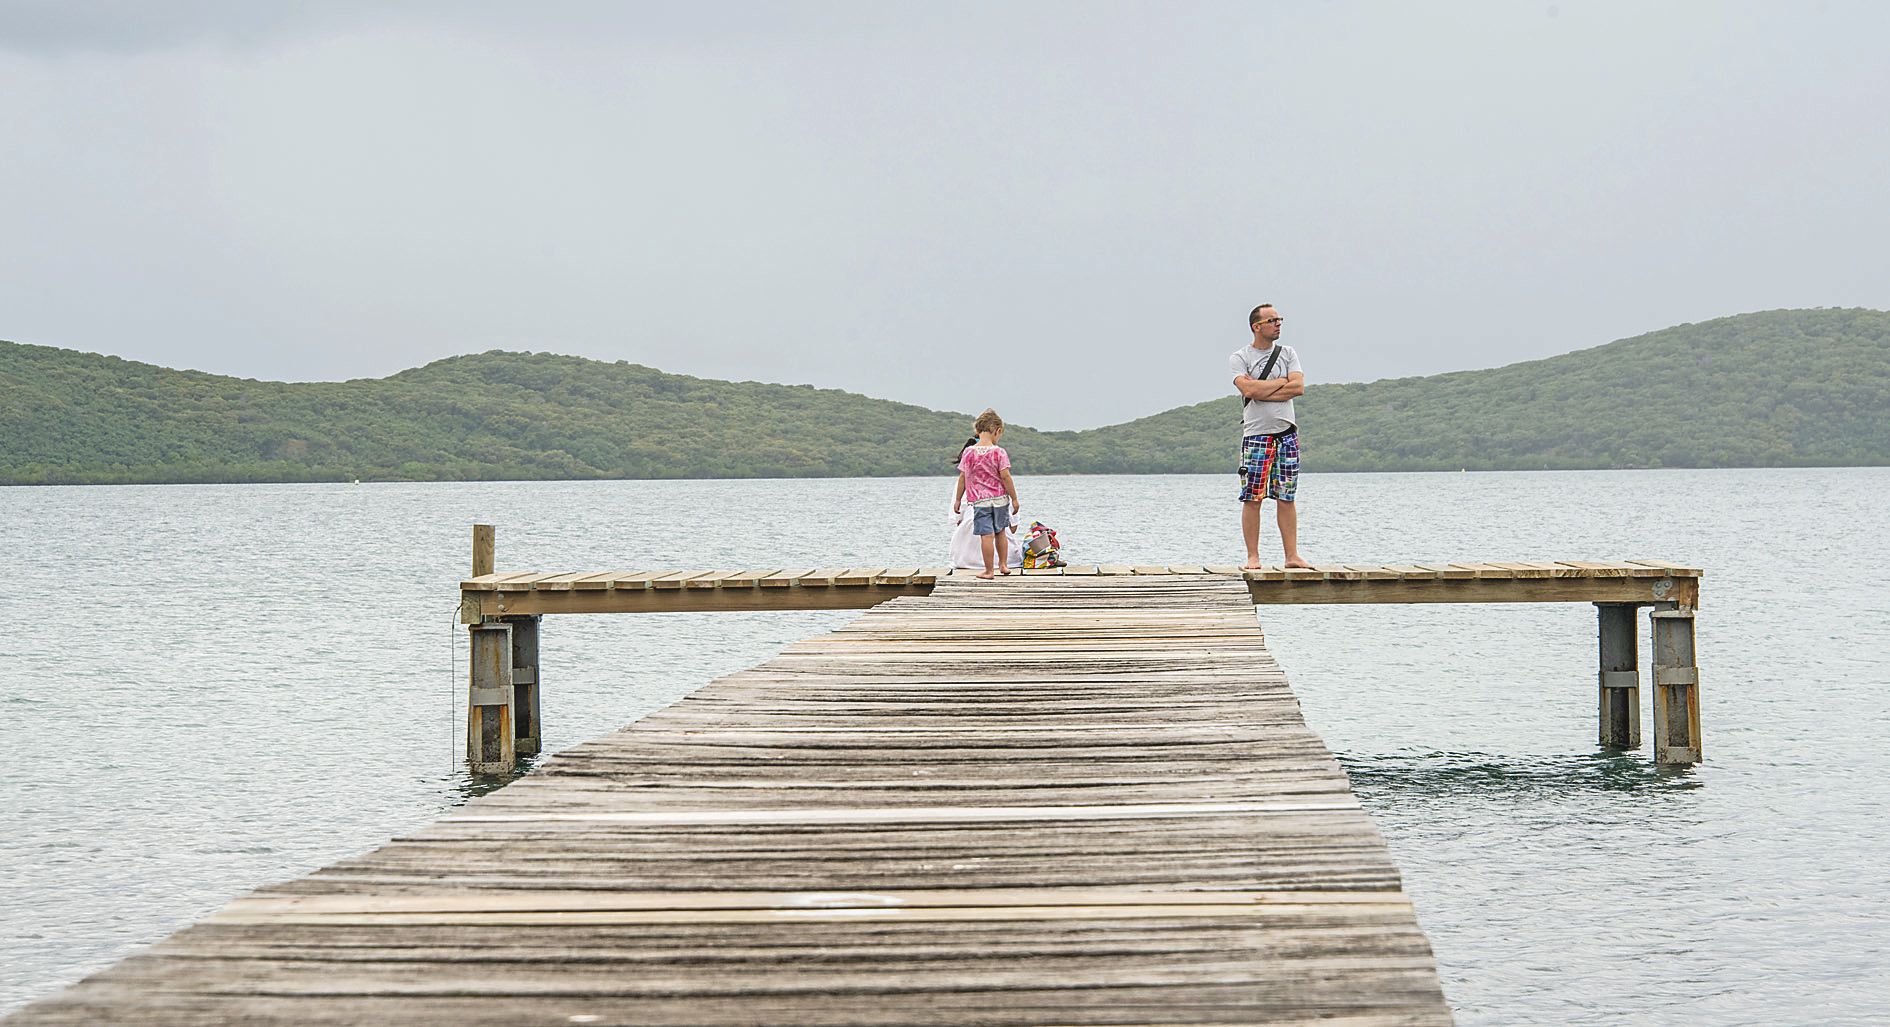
point(989, 520)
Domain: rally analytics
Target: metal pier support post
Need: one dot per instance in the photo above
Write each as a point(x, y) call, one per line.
point(1676, 688)
point(1620, 676)
point(525, 732)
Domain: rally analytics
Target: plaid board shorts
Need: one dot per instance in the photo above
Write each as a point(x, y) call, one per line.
point(1269, 467)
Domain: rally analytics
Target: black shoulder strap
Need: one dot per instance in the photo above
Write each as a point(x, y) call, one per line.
point(1267, 370)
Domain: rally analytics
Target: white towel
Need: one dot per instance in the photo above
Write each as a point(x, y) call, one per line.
point(967, 553)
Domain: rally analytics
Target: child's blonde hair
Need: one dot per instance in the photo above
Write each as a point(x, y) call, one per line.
point(989, 421)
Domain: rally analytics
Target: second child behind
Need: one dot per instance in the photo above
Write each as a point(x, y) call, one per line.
point(984, 479)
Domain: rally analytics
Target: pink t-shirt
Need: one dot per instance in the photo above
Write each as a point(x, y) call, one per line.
point(980, 466)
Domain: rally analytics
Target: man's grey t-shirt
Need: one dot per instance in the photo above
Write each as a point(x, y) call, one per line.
point(1264, 417)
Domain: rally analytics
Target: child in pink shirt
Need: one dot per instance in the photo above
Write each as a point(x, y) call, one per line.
point(984, 479)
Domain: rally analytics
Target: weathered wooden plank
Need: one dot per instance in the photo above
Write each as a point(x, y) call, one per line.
point(1644, 569)
point(1678, 570)
point(517, 581)
point(1593, 569)
point(676, 580)
point(560, 582)
point(262, 908)
point(1466, 590)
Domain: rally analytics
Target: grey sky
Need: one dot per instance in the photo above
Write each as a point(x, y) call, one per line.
point(1063, 210)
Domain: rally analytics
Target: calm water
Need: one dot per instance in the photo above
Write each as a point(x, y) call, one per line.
point(212, 688)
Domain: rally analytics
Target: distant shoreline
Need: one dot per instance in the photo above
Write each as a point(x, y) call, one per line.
point(932, 477)
point(1678, 398)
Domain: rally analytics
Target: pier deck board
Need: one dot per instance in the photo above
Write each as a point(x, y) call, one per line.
point(1071, 799)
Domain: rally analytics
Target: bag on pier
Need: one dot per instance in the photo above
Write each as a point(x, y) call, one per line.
point(1041, 548)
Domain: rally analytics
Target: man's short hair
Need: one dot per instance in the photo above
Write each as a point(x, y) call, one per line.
point(1254, 318)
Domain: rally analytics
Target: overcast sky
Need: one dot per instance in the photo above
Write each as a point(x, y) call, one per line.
point(1062, 210)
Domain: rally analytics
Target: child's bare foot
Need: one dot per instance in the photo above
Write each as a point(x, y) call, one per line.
point(1006, 572)
point(986, 576)
point(1250, 565)
point(1301, 564)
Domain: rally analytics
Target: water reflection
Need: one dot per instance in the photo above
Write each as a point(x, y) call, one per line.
point(467, 786)
point(1432, 775)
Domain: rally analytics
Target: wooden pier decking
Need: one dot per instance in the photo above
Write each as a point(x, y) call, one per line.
point(1641, 582)
point(1072, 799)
point(503, 613)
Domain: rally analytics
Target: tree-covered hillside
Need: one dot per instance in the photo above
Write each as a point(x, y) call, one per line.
point(1773, 389)
point(1792, 387)
point(74, 417)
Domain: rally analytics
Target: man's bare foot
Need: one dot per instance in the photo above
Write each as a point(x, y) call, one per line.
point(986, 576)
point(1301, 564)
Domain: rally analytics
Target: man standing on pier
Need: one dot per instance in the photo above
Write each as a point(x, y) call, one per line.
point(1267, 375)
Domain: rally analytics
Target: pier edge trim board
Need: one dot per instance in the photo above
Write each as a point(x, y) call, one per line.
point(1646, 582)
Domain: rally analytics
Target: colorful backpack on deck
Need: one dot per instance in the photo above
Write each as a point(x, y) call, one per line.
point(1041, 549)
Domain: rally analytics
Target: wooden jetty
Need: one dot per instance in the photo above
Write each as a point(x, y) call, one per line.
point(1070, 800)
point(1075, 798)
point(503, 612)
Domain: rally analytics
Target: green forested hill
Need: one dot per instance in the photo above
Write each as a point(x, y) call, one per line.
point(1772, 389)
point(1792, 387)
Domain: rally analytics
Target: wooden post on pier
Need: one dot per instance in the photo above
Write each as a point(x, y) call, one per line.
point(493, 728)
point(1676, 687)
point(525, 734)
point(484, 544)
point(490, 746)
point(1620, 676)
